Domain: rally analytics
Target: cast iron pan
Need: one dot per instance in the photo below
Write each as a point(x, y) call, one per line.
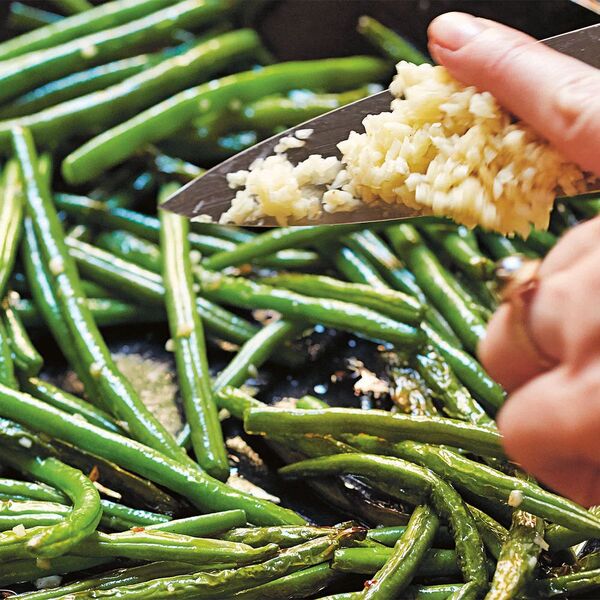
point(306, 29)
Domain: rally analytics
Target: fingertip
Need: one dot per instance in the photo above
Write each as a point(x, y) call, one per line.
point(453, 30)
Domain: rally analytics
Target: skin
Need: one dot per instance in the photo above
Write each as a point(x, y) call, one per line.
point(550, 422)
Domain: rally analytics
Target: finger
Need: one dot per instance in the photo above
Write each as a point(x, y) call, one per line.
point(505, 354)
point(550, 427)
point(574, 245)
point(557, 95)
point(556, 324)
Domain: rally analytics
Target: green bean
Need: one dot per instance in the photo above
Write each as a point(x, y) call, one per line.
point(38, 277)
point(518, 558)
point(11, 214)
point(574, 584)
point(99, 213)
point(224, 584)
point(284, 537)
point(353, 266)
point(13, 488)
point(388, 302)
point(388, 536)
point(25, 18)
point(130, 247)
point(101, 108)
point(161, 545)
point(456, 400)
point(486, 482)
point(301, 584)
point(236, 401)
point(492, 533)
point(367, 561)
point(145, 226)
point(106, 581)
point(106, 312)
point(29, 520)
point(295, 108)
point(438, 285)
point(225, 232)
point(409, 552)
point(272, 241)
point(255, 352)
point(187, 332)
point(250, 356)
point(397, 472)
point(73, 7)
point(7, 367)
point(25, 72)
point(44, 390)
point(500, 246)
point(457, 245)
point(95, 360)
point(106, 16)
point(541, 241)
point(310, 402)
point(369, 248)
point(332, 313)
point(119, 143)
point(200, 489)
point(80, 522)
point(559, 537)
point(133, 281)
point(25, 356)
point(206, 525)
point(390, 44)
point(177, 168)
point(21, 571)
point(114, 513)
point(75, 85)
point(468, 370)
point(393, 427)
point(414, 592)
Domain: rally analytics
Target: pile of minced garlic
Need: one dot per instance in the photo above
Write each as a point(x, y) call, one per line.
point(443, 149)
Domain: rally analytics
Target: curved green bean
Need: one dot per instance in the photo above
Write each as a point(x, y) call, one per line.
point(79, 523)
point(200, 489)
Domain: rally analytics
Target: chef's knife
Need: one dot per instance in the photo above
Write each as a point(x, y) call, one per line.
point(211, 195)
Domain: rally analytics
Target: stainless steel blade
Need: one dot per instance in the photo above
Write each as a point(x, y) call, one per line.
point(211, 195)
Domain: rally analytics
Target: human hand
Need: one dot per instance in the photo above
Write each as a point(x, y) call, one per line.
point(551, 421)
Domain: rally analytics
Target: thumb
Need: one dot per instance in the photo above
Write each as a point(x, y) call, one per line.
point(557, 95)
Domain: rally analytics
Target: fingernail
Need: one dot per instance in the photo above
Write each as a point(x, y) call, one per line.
point(454, 30)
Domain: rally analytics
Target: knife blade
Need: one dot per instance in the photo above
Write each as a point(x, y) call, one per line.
point(211, 195)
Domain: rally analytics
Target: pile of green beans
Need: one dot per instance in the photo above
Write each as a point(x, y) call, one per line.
point(98, 497)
